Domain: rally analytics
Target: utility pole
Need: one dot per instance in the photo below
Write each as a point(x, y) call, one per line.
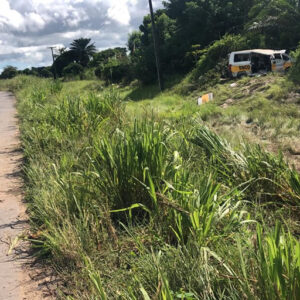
point(156, 48)
point(51, 48)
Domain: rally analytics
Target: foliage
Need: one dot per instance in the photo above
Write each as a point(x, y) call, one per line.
point(82, 50)
point(216, 52)
point(103, 57)
point(9, 72)
point(159, 207)
point(276, 23)
point(116, 70)
point(295, 70)
point(45, 72)
point(183, 25)
point(113, 65)
point(72, 70)
point(279, 265)
point(62, 61)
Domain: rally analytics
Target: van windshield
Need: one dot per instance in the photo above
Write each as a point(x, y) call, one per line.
point(242, 57)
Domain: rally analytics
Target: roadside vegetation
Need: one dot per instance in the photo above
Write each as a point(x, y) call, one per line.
point(137, 194)
point(158, 198)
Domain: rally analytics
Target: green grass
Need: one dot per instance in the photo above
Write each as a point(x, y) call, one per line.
point(139, 195)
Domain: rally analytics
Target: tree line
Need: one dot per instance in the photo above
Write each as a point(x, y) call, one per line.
point(187, 31)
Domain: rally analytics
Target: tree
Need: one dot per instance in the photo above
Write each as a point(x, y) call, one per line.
point(295, 70)
point(61, 51)
point(9, 72)
point(73, 70)
point(112, 65)
point(62, 61)
point(45, 72)
point(102, 57)
point(134, 41)
point(116, 70)
point(82, 50)
point(276, 22)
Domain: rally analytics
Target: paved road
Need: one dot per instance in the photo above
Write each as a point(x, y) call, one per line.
point(16, 269)
point(11, 209)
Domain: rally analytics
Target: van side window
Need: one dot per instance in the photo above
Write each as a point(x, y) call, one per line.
point(285, 57)
point(241, 57)
point(277, 56)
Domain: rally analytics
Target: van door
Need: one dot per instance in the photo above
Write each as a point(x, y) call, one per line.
point(277, 63)
point(286, 62)
point(240, 64)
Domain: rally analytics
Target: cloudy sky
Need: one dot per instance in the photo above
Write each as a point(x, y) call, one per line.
point(28, 27)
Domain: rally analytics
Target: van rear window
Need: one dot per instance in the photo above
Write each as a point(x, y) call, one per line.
point(241, 57)
point(285, 57)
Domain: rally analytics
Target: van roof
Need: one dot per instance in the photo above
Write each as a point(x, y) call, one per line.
point(260, 51)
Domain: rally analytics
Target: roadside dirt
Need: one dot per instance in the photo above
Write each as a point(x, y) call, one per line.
point(17, 268)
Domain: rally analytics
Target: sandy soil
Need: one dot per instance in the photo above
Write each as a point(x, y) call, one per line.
point(20, 278)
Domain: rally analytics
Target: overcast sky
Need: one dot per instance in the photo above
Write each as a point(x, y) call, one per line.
point(28, 27)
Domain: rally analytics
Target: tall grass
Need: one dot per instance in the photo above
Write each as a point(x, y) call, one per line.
point(262, 176)
point(153, 209)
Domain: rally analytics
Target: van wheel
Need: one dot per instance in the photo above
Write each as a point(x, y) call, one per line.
point(286, 70)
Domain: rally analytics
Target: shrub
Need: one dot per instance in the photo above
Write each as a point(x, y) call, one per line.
point(73, 70)
point(9, 72)
point(46, 73)
point(215, 53)
point(116, 70)
point(98, 72)
point(295, 70)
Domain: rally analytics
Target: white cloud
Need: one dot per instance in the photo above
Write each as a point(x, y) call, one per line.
point(10, 18)
point(28, 27)
point(34, 21)
point(71, 35)
point(119, 11)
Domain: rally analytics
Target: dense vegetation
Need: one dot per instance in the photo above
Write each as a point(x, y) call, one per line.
point(129, 204)
point(136, 194)
point(190, 33)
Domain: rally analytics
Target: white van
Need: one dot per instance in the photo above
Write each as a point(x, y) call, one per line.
point(250, 62)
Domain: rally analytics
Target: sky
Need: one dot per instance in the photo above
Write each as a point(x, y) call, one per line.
point(29, 27)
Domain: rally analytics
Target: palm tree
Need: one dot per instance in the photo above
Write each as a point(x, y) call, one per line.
point(82, 50)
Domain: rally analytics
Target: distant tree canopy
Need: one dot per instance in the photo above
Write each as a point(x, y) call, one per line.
point(102, 57)
point(9, 72)
point(81, 51)
point(63, 61)
point(72, 70)
point(40, 72)
point(184, 27)
point(112, 65)
point(193, 36)
point(295, 70)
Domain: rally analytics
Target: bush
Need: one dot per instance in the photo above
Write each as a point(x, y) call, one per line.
point(295, 70)
point(73, 70)
point(98, 72)
point(46, 73)
point(213, 55)
point(114, 71)
point(9, 72)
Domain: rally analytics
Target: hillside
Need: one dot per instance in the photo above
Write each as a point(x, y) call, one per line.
point(263, 110)
point(134, 194)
